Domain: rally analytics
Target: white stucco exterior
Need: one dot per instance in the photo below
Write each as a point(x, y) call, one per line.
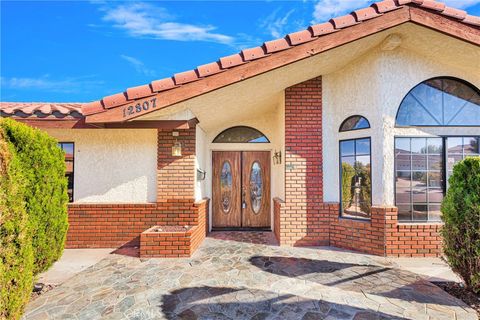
point(114, 165)
point(374, 86)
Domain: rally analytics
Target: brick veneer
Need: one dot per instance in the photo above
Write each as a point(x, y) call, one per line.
point(175, 175)
point(175, 244)
point(302, 220)
point(412, 239)
point(366, 236)
point(113, 225)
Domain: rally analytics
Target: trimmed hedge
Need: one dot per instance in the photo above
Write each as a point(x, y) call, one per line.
point(461, 214)
point(43, 166)
point(16, 255)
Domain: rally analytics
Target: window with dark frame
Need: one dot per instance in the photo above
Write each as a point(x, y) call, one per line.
point(419, 178)
point(355, 178)
point(421, 166)
point(441, 101)
point(354, 123)
point(241, 134)
point(69, 149)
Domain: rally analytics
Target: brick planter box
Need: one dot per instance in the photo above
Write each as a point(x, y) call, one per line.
point(169, 241)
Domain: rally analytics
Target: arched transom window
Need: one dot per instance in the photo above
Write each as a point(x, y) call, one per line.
point(241, 134)
point(354, 123)
point(440, 102)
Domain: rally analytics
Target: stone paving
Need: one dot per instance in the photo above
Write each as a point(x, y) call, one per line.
point(232, 276)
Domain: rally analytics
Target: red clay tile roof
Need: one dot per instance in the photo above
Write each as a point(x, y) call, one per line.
point(293, 39)
point(41, 109)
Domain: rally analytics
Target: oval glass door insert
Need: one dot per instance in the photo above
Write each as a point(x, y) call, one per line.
point(226, 186)
point(256, 187)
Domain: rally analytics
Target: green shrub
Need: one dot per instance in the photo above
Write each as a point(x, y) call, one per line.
point(461, 214)
point(43, 165)
point(16, 255)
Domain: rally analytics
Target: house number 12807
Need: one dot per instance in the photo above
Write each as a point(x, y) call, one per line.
point(139, 107)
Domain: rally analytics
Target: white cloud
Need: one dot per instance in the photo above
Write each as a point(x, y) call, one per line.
point(462, 4)
point(146, 20)
point(138, 65)
point(324, 10)
point(275, 25)
point(68, 85)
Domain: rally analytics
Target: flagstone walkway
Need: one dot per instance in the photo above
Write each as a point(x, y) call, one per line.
point(236, 278)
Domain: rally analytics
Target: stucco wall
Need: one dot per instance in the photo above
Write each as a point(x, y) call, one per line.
point(374, 86)
point(113, 166)
point(200, 162)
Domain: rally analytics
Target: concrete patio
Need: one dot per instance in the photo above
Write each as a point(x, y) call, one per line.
point(241, 276)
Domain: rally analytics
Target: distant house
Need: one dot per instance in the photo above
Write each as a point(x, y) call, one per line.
point(343, 134)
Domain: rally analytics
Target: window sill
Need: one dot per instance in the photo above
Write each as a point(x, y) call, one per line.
point(354, 219)
point(423, 223)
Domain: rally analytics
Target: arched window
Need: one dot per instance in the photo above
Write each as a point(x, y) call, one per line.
point(241, 134)
point(440, 102)
point(354, 123)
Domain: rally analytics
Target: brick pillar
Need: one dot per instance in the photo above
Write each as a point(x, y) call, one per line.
point(176, 175)
point(302, 220)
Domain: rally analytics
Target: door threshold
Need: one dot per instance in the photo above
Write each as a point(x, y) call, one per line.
point(263, 229)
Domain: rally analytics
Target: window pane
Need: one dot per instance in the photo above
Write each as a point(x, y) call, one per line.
point(241, 134)
point(435, 195)
point(355, 178)
point(402, 145)
point(434, 213)
point(403, 162)
point(434, 146)
point(419, 162)
point(471, 145)
point(440, 102)
point(403, 195)
point(68, 148)
point(435, 179)
point(349, 160)
point(404, 212)
point(420, 212)
point(419, 145)
point(403, 179)
point(419, 179)
point(347, 148)
point(423, 184)
point(419, 195)
point(435, 162)
point(354, 123)
point(363, 146)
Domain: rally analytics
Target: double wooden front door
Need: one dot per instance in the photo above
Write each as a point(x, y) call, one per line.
point(241, 189)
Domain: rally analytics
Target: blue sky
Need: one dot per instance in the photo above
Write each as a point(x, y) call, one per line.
point(79, 51)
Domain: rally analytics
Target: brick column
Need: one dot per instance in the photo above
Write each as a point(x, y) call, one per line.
point(176, 175)
point(302, 220)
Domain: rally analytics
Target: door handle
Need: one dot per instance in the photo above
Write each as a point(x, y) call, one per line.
point(244, 202)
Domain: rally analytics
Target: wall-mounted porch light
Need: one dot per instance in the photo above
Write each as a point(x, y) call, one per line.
point(201, 174)
point(177, 146)
point(277, 157)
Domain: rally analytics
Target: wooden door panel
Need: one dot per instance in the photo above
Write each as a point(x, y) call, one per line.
point(226, 190)
point(256, 189)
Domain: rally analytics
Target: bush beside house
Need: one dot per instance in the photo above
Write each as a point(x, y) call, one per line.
point(33, 210)
point(461, 214)
point(16, 255)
